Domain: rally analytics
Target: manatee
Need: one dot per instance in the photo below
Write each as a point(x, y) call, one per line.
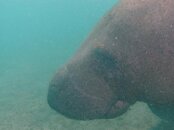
point(128, 57)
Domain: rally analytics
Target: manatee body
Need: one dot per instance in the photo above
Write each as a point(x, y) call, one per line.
point(128, 57)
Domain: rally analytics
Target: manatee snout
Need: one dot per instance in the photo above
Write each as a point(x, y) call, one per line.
point(83, 96)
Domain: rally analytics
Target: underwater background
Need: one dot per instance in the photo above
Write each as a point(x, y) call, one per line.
point(36, 38)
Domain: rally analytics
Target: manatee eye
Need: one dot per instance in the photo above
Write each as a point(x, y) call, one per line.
point(104, 59)
point(105, 65)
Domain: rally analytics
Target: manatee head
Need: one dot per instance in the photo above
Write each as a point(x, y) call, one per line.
point(89, 87)
point(128, 57)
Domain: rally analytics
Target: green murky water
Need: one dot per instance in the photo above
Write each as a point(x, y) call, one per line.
point(37, 37)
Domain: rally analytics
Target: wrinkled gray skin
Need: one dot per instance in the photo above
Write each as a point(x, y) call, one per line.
point(128, 57)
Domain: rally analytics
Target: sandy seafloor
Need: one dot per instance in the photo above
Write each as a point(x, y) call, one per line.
point(37, 37)
point(23, 105)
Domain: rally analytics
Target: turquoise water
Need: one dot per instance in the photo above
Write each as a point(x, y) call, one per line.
point(36, 38)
